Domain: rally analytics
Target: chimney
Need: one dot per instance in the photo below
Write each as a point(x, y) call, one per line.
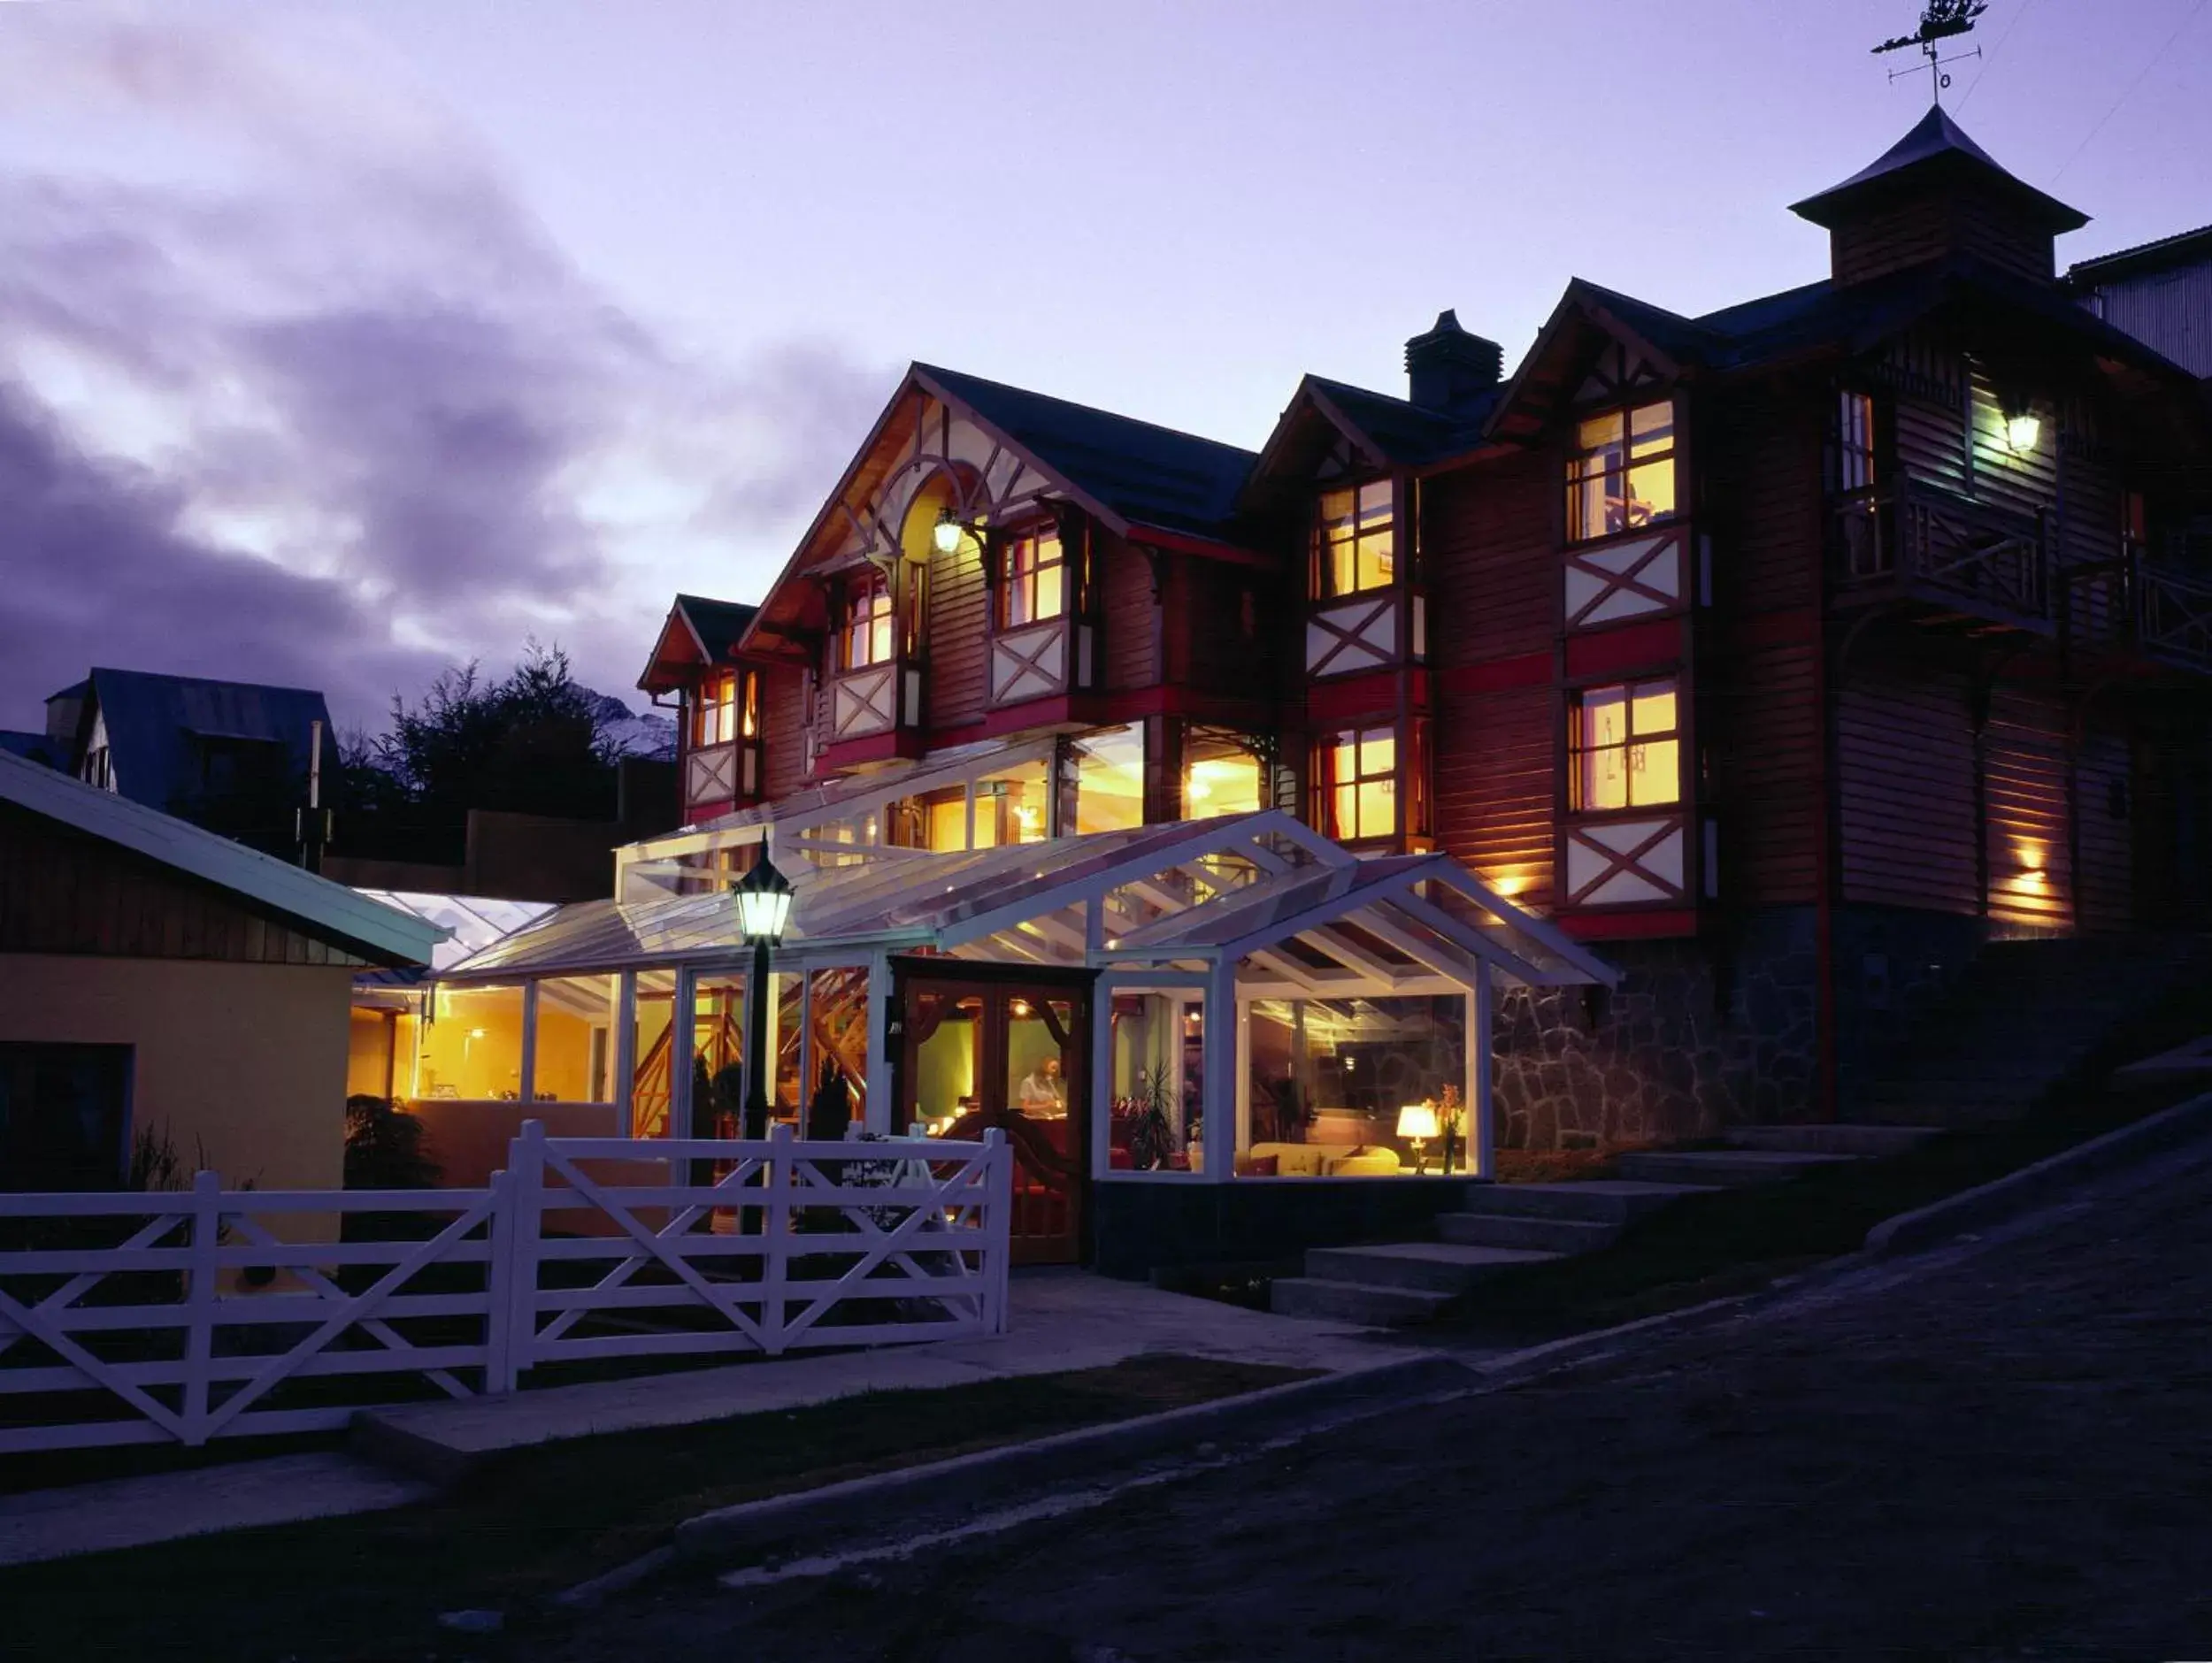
point(1447, 369)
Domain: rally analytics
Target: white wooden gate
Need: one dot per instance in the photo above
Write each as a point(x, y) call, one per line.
point(182, 1317)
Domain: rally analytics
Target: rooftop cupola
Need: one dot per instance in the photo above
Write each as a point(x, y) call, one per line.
point(1447, 369)
point(1933, 194)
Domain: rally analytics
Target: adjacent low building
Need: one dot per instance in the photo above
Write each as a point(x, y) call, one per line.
point(163, 989)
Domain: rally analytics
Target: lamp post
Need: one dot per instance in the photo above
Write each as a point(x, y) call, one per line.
point(764, 907)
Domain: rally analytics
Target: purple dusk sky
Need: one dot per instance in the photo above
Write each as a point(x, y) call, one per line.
point(338, 342)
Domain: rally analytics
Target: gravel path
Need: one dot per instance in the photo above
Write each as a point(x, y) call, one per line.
point(2005, 1451)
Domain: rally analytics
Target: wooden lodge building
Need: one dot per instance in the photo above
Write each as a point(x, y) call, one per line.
point(1756, 670)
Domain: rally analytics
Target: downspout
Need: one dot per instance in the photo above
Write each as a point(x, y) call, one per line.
point(1825, 847)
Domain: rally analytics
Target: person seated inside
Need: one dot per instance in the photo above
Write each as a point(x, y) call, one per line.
point(1042, 1091)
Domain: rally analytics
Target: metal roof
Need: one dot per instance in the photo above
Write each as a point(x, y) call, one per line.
point(1147, 474)
point(1178, 895)
point(1936, 144)
point(151, 718)
point(326, 910)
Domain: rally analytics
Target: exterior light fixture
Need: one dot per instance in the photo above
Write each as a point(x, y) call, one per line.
point(763, 908)
point(2023, 426)
point(947, 533)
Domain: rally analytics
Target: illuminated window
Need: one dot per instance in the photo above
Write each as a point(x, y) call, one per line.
point(1627, 748)
point(868, 622)
point(1035, 585)
point(1109, 779)
point(1620, 474)
point(1222, 773)
point(1855, 442)
point(1359, 784)
point(1354, 539)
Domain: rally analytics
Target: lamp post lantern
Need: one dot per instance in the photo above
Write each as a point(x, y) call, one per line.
point(763, 908)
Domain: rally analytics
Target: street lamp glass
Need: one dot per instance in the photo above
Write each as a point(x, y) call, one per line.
point(764, 901)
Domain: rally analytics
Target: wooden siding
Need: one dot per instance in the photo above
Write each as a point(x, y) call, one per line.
point(2020, 485)
point(2105, 816)
point(1490, 540)
point(64, 892)
point(783, 717)
point(1758, 686)
point(1930, 225)
point(1764, 726)
point(1495, 787)
point(1130, 620)
point(2024, 749)
point(955, 621)
point(1213, 628)
point(1905, 779)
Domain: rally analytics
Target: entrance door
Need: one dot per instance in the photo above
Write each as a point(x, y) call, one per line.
point(1011, 1055)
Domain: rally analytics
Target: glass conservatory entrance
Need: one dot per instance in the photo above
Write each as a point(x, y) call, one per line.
point(1011, 1051)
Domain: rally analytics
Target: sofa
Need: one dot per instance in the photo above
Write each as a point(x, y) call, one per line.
point(1311, 1161)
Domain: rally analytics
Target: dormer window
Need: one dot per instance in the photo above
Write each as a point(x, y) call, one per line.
point(725, 707)
point(1620, 473)
point(1354, 539)
point(869, 634)
point(1033, 587)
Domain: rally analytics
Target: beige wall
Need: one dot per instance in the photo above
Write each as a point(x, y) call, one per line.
point(247, 1060)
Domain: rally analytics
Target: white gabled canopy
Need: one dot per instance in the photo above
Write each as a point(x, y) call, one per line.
point(1308, 918)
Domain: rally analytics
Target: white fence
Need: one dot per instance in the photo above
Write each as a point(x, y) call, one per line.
point(207, 1313)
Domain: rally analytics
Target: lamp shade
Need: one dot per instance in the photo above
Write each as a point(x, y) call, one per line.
point(1418, 1120)
point(2021, 431)
point(764, 901)
point(946, 532)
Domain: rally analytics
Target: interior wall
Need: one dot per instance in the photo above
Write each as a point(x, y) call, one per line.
point(247, 1063)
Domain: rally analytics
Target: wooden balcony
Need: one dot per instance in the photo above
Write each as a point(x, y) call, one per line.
point(1969, 558)
point(2173, 617)
point(864, 703)
point(1637, 857)
point(721, 773)
point(1030, 662)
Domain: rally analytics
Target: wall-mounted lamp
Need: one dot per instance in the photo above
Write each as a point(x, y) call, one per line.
point(947, 533)
point(2023, 425)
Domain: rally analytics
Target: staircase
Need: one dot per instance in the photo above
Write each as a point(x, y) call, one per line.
point(2022, 1019)
point(1499, 1227)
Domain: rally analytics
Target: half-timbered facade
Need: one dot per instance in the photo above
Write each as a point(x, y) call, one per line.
point(1784, 655)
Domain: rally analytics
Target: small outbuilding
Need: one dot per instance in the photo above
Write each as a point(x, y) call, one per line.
point(165, 992)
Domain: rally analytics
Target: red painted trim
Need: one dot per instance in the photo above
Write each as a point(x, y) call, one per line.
point(877, 748)
point(702, 811)
point(1109, 709)
point(1629, 926)
point(1499, 675)
point(1634, 647)
point(1336, 701)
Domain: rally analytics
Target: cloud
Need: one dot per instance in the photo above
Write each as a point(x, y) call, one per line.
point(293, 388)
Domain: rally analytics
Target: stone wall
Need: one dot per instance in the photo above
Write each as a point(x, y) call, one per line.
point(1718, 1031)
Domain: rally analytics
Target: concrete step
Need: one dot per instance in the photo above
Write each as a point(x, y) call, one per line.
point(1433, 1266)
point(1950, 1114)
point(1838, 1139)
point(1732, 1167)
point(1354, 1302)
point(1527, 1229)
point(1599, 1200)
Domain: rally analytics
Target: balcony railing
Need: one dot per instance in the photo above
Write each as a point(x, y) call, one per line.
point(2004, 565)
point(1932, 543)
point(2173, 616)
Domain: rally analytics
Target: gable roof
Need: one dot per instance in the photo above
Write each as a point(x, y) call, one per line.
point(329, 911)
point(697, 631)
point(152, 719)
point(1936, 149)
point(2184, 247)
point(1144, 474)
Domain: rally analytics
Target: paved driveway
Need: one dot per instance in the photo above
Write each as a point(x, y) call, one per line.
point(2005, 1452)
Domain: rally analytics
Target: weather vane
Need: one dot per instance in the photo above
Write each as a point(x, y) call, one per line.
point(1939, 21)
